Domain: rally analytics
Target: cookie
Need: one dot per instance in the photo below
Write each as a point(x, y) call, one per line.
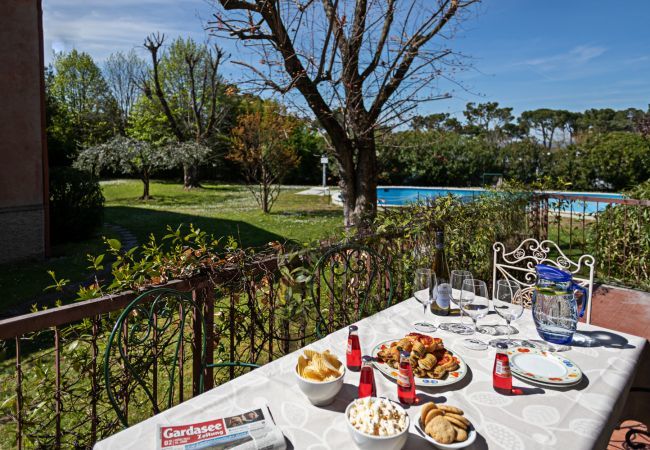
point(441, 430)
point(425, 410)
point(451, 409)
point(457, 420)
point(461, 435)
point(431, 414)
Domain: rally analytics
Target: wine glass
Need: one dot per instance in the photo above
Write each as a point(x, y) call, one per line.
point(423, 289)
point(474, 301)
point(456, 280)
point(506, 292)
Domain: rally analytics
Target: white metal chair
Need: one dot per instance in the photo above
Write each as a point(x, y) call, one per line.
point(523, 259)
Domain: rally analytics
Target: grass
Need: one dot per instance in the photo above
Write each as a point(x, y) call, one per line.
point(222, 210)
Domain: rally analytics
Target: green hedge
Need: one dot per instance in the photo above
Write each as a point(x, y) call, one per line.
point(76, 204)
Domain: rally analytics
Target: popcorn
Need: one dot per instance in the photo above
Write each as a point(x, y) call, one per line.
point(377, 417)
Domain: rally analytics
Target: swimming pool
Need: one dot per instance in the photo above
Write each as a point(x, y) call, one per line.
point(402, 195)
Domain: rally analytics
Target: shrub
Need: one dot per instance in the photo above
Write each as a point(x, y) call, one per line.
point(471, 228)
point(76, 204)
point(622, 241)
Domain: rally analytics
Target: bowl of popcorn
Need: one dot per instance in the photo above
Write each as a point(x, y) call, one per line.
point(377, 423)
point(320, 376)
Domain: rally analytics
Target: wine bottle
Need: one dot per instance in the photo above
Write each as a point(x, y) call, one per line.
point(442, 303)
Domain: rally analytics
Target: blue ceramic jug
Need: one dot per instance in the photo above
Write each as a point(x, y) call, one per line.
point(555, 309)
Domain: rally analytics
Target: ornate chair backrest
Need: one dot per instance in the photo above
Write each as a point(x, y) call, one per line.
point(146, 351)
point(349, 282)
point(519, 265)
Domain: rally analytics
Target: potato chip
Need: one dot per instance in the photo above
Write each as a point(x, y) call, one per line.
point(302, 363)
point(312, 374)
point(316, 366)
point(320, 365)
point(329, 366)
point(332, 360)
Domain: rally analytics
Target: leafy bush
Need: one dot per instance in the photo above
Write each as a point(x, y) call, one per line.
point(622, 241)
point(471, 228)
point(76, 204)
point(619, 159)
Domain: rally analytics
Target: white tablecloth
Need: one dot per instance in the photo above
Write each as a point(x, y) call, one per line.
point(576, 418)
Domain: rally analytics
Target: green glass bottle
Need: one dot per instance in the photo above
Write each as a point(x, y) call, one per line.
point(442, 303)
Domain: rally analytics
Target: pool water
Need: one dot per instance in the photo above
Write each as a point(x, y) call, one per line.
point(398, 196)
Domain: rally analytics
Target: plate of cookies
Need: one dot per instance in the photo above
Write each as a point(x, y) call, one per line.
point(433, 364)
point(445, 426)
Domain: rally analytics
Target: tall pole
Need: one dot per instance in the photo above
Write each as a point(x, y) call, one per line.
point(324, 161)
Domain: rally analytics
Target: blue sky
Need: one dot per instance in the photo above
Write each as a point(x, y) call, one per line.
point(570, 54)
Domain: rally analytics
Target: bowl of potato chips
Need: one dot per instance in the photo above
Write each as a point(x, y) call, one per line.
point(320, 376)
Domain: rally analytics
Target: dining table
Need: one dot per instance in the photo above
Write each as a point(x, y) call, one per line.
point(581, 416)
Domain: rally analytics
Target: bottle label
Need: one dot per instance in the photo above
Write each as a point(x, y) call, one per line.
point(502, 369)
point(443, 297)
point(403, 379)
point(349, 347)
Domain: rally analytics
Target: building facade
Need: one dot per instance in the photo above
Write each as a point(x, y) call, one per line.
point(23, 152)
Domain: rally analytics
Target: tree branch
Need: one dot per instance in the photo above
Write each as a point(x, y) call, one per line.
point(153, 44)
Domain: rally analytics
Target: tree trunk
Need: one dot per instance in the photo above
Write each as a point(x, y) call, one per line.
point(190, 176)
point(145, 187)
point(265, 191)
point(359, 184)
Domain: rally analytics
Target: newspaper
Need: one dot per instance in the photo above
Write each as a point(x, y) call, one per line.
point(250, 430)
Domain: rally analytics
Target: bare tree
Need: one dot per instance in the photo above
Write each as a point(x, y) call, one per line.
point(122, 72)
point(185, 82)
point(358, 65)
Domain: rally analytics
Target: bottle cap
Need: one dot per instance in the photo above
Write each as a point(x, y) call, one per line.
point(353, 328)
point(405, 354)
point(367, 358)
point(502, 346)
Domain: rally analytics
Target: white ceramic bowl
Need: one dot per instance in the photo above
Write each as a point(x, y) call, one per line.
point(369, 442)
point(320, 393)
point(471, 437)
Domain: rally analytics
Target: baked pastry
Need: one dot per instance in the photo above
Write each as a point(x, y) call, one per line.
point(425, 410)
point(429, 358)
point(457, 420)
point(433, 413)
point(451, 409)
point(444, 423)
point(461, 435)
point(441, 430)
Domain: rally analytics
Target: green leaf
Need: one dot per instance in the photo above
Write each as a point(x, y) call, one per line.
point(114, 244)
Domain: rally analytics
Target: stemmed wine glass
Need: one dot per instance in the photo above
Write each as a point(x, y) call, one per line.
point(474, 301)
point(424, 287)
point(506, 292)
point(456, 281)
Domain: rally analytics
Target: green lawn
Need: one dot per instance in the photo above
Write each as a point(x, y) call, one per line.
point(223, 210)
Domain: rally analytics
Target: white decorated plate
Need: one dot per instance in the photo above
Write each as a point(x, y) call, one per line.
point(452, 377)
point(543, 367)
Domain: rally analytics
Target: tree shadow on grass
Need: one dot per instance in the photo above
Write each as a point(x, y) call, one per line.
point(144, 221)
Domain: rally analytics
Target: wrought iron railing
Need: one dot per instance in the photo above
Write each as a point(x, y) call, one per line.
point(54, 396)
point(616, 231)
point(52, 393)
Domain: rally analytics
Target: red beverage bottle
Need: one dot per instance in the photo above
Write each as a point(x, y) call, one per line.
point(405, 380)
point(367, 387)
point(501, 376)
point(353, 355)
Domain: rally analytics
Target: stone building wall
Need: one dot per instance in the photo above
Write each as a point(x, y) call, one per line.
point(23, 157)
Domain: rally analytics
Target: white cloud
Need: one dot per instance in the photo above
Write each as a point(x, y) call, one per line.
point(577, 56)
point(100, 28)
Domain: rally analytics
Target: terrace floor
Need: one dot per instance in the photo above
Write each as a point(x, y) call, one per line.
point(628, 311)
